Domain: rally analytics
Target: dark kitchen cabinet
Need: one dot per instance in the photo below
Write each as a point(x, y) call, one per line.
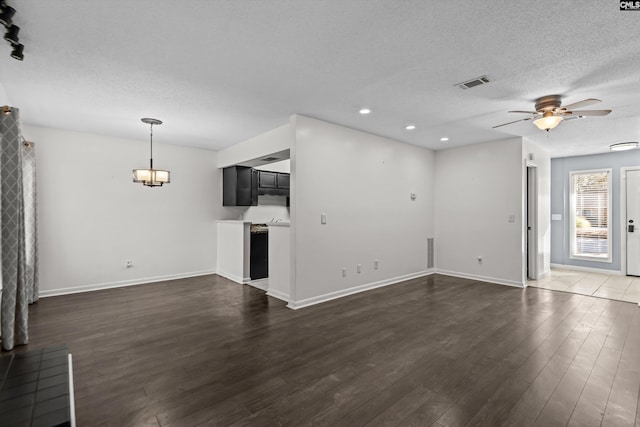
point(239, 186)
point(283, 181)
point(273, 183)
point(267, 179)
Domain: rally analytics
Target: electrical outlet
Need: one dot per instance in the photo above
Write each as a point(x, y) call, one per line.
point(344, 271)
point(376, 264)
point(359, 268)
point(128, 264)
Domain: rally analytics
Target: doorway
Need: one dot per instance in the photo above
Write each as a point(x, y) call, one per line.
point(631, 221)
point(531, 230)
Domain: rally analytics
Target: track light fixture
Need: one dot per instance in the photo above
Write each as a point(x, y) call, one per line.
point(17, 52)
point(12, 35)
point(6, 15)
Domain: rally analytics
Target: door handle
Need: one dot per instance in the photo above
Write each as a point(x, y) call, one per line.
point(631, 227)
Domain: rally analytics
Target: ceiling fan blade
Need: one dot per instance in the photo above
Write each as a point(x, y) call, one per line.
point(581, 104)
point(524, 112)
point(515, 121)
point(589, 112)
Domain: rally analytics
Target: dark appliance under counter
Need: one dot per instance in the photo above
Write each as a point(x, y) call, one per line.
point(259, 261)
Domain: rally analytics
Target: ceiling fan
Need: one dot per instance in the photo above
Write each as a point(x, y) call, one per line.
point(550, 112)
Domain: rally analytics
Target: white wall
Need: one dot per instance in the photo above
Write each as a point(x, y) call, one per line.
point(283, 166)
point(363, 183)
point(477, 187)
point(273, 141)
point(234, 246)
point(542, 161)
point(92, 217)
point(279, 262)
point(4, 99)
point(269, 208)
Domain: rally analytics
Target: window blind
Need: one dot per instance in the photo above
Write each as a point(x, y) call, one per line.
point(590, 193)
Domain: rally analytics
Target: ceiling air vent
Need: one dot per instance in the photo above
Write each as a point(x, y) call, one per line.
point(482, 80)
point(270, 159)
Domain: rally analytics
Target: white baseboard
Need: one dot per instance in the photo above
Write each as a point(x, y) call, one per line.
point(588, 269)
point(262, 284)
point(495, 280)
point(234, 278)
point(280, 295)
point(120, 284)
point(357, 289)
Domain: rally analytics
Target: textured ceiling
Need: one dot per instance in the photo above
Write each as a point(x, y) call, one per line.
point(219, 72)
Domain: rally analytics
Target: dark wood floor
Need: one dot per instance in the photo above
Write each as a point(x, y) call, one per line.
point(435, 351)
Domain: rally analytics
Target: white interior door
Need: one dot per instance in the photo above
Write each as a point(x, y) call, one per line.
point(633, 222)
point(532, 223)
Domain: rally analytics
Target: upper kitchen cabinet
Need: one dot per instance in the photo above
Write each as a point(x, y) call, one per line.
point(273, 183)
point(283, 180)
point(239, 186)
point(267, 180)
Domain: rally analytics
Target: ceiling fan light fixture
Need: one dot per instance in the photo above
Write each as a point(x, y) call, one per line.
point(624, 146)
point(548, 121)
point(549, 112)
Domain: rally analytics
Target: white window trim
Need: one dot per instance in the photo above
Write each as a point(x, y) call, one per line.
point(572, 217)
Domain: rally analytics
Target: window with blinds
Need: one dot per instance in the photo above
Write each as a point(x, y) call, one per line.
point(591, 215)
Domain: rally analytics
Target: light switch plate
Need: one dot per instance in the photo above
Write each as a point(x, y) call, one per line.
point(556, 217)
point(323, 218)
point(512, 217)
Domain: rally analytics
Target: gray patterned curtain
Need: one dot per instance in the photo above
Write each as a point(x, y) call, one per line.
point(18, 230)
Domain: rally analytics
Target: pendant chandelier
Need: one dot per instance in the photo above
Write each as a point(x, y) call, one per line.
point(151, 177)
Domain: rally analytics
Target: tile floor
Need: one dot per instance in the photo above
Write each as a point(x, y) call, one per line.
point(621, 288)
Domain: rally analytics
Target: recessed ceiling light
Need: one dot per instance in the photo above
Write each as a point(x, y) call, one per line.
point(409, 127)
point(444, 139)
point(364, 111)
point(623, 146)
